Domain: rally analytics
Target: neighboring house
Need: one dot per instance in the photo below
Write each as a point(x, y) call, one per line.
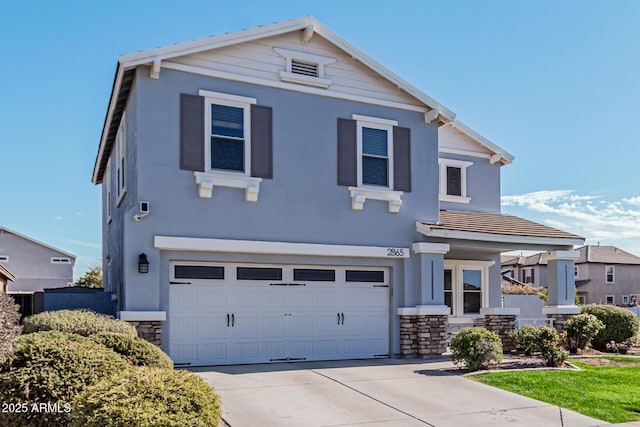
point(5, 276)
point(276, 194)
point(602, 274)
point(529, 270)
point(35, 265)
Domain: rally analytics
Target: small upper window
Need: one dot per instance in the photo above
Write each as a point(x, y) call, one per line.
point(227, 122)
point(375, 151)
point(304, 68)
point(610, 274)
point(121, 159)
point(610, 299)
point(60, 260)
point(453, 180)
point(575, 271)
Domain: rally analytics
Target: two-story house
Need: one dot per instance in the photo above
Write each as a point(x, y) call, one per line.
point(35, 266)
point(276, 194)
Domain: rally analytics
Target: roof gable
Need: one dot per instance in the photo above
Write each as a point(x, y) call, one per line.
point(37, 242)
point(304, 27)
point(457, 138)
point(606, 255)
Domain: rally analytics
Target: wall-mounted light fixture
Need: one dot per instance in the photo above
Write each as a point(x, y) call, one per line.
point(143, 264)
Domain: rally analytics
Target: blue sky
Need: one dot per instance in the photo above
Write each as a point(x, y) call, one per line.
point(557, 84)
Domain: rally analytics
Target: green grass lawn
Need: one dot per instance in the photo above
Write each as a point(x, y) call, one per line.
point(608, 393)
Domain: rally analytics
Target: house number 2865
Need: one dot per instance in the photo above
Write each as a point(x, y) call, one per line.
point(395, 252)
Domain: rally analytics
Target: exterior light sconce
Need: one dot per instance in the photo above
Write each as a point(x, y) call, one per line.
point(143, 264)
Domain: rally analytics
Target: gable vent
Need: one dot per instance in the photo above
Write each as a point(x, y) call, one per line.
point(304, 68)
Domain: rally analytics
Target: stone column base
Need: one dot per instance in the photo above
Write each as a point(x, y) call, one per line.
point(150, 330)
point(423, 334)
point(502, 324)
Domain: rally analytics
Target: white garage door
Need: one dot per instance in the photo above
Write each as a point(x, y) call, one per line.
point(229, 314)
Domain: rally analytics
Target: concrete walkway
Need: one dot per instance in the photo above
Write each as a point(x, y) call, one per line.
point(367, 393)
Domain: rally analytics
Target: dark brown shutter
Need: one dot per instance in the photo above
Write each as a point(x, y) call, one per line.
point(401, 159)
point(347, 155)
point(192, 138)
point(261, 142)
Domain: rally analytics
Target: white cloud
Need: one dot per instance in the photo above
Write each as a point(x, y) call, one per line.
point(85, 244)
point(613, 222)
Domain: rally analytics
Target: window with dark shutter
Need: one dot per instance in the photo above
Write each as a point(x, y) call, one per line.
point(261, 142)
point(375, 157)
point(191, 132)
point(401, 159)
point(227, 138)
point(347, 153)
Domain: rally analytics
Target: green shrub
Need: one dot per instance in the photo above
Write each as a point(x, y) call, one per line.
point(136, 351)
point(81, 322)
point(619, 324)
point(9, 325)
point(581, 330)
point(476, 348)
point(527, 339)
point(52, 367)
point(148, 397)
point(551, 350)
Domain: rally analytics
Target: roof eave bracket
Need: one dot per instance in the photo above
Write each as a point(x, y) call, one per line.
point(155, 69)
point(307, 33)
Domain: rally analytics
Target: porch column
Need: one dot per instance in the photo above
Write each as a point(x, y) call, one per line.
point(423, 328)
point(502, 321)
point(561, 303)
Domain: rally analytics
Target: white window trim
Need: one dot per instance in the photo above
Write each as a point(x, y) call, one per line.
point(289, 76)
point(218, 178)
point(613, 274)
point(625, 299)
point(121, 158)
point(463, 165)
point(613, 299)
point(60, 260)
point(361, 192)
point(109, 201)
point(456, 267)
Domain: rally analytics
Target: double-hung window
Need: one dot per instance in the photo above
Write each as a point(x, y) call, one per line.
point(235, 150)
point(374, 160)
point(610, 274)
point(453, 180)
point(227, 125)
point(376, 151)
point(121, 159)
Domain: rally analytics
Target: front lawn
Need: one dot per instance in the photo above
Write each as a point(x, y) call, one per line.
point(610, 393)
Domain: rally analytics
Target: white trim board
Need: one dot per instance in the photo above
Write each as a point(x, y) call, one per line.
point(499, 238)
point(279, 248)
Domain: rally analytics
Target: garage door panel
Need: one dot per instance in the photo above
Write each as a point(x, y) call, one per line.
point(270, 323)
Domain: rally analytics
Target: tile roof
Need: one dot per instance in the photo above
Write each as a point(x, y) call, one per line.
point(496, 223)
point(606, 255)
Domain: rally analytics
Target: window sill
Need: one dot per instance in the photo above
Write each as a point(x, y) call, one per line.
point(207, 180)
point(359, 195)
point(286, 76)
point(455, 199)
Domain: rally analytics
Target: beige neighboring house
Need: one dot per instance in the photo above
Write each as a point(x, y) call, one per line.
point(5, 276)
point(603, 274)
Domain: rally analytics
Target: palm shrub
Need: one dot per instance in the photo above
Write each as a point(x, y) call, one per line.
point(476, 348)
point(136, 351)
point(581, 330)
point(52, 367)
point(9, 325)
point(148, 397)
point(620, 325)
point(81, 322)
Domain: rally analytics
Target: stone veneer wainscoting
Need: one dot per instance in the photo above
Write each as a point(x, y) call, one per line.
point(149, 330)
point(502, 325)
point(423, 335)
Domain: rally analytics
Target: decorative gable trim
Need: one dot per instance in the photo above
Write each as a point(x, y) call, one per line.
point(304, 68)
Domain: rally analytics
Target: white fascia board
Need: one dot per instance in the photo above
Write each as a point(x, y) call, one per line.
point(214, 42)
point(115, 92)
point(383, 71)
point(143, 316)
point(560, 255)
point(504, 155)
point(275, 248)
point(498, 238)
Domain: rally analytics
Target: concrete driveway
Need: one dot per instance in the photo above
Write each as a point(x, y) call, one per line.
point(387, 392)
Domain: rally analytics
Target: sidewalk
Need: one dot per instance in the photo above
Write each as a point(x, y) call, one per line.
point(368, 393)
